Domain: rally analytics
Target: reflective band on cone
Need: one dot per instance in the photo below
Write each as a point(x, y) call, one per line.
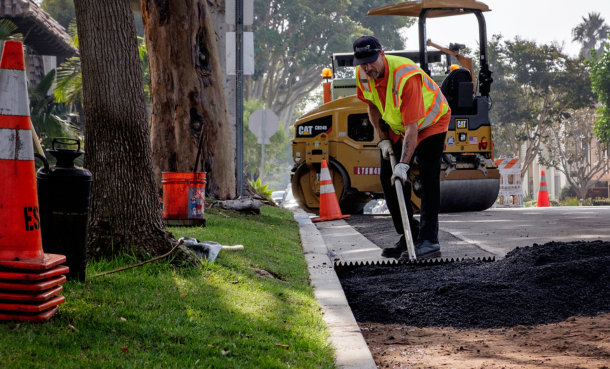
point(329, 205)
point(25, 269)
point(543, 194)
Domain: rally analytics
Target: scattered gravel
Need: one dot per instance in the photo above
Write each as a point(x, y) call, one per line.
point(532, 285)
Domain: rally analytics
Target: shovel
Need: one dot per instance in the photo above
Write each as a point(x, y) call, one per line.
point(403, 213)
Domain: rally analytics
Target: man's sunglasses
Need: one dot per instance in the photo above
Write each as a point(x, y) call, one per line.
point(365, 51)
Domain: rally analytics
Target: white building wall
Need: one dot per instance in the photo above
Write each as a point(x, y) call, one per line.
point(49, 63)
point(534, 175)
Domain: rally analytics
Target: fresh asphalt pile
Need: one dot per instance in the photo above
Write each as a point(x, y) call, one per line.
point(532, 285)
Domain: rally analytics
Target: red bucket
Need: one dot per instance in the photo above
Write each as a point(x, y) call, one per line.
point(183, 195)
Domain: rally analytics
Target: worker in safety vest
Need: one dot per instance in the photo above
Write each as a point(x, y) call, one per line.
point(411, 117)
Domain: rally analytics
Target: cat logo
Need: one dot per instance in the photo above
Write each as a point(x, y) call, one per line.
point(305, 130)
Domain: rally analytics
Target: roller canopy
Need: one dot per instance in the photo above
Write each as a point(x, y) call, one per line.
point(443, 8)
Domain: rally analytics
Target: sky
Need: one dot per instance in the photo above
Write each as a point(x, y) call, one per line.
point(544, 21)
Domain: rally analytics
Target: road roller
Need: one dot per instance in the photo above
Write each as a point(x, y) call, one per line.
point(339, 131)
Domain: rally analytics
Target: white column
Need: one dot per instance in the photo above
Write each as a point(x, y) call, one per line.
point(550, 182)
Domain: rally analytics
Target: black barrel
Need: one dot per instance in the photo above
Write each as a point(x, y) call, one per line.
point(63, 197)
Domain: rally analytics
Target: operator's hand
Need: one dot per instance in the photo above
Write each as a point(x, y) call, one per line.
point(401, 171)
point(386, 148)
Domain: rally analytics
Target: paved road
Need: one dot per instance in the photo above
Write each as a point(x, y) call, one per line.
point(493, 232)
point(500, 230)
point(379, 229)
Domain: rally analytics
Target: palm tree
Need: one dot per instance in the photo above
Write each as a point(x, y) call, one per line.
point(591, 33)
point(50, 118)
point(69, 85)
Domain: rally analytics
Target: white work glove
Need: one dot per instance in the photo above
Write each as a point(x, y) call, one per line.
point(386, 148)
point(401, 171)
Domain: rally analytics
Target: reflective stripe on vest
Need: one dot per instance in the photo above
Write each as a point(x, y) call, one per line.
point(435, 108)
point(406, 70)
point(363, 81)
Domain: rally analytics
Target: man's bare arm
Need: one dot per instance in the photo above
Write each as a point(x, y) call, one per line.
point(409, 143)
point(382, 128)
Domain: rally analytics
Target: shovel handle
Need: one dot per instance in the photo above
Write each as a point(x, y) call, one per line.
point(403, 213)
point(233, 248)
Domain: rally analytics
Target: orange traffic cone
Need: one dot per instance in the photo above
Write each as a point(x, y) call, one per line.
point(543, 193)
point(329, 206)
point(24, 268)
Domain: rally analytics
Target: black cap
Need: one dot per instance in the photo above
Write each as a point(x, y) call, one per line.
point(366, 50)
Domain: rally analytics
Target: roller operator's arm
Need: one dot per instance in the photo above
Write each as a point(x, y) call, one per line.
point(409, 143)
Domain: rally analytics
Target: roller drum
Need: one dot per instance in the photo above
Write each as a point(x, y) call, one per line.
point(468, 194)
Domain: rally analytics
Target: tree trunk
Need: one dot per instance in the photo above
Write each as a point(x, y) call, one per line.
point(125, 210)
point(187, 93)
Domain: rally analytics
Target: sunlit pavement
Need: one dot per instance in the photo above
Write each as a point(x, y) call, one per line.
point(500, 230)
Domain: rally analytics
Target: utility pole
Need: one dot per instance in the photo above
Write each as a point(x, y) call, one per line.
point(239, 94)
point(263, 135)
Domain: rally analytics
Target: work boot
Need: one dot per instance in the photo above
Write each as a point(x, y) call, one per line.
point(423, 250)
point(396, 250)
point(400, 246)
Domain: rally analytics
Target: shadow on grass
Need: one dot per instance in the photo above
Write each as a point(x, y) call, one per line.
point(222, 315)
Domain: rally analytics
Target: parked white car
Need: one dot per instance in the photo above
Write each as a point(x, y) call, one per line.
point(277, 196)
point(289, 202)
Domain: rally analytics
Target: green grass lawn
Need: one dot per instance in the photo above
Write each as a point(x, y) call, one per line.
point(221, 315)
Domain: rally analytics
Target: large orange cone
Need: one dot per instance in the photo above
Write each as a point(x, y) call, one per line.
point(329, 206)
point(22, 259)
point(543, 194)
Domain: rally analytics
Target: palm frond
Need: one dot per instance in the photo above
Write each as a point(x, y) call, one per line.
point(68, 88)
point(73, 33)
point(6, 29)
point(44, 86)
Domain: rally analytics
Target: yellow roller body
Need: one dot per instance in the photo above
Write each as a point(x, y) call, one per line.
point(340, 133)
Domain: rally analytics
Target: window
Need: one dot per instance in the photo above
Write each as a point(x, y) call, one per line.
point(359, 128)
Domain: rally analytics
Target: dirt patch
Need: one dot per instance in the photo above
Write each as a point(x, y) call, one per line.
point(579, 342)
point(544, 306)
point(533, 285)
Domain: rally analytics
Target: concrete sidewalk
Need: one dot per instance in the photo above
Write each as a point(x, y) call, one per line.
point(347, 243)
point(351, 351)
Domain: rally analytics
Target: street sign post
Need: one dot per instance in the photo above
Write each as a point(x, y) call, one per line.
point(263, 123)
point(248, 12)
point(247, 53)
point(239, 13)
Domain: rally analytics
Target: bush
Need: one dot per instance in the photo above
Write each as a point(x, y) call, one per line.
point(598, 201)
point(555, 203)
point(570, 201)
point(567, 191)
point(529, 204)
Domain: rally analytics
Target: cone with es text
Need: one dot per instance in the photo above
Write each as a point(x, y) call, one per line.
point(329, 205)
point(29, 279)
point(543, 193)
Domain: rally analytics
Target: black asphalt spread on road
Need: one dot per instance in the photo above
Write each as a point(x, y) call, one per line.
point(532, 285)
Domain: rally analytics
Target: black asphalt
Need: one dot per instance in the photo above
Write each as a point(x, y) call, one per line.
point(532, 285)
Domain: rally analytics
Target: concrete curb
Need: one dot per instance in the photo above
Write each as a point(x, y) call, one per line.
point(351, 350)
